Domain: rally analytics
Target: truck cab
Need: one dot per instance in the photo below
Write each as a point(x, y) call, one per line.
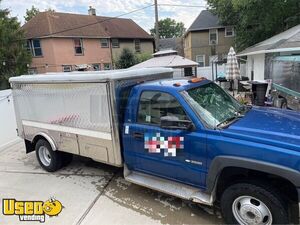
point(191, 132)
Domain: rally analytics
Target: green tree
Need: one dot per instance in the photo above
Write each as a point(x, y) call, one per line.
point(169, 28)
point(126, 59)
point(256, 20)
point(14, 57)
point(30, 13)
point(141, 57)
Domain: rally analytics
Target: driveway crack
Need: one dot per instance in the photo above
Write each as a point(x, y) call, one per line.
point(95, 200)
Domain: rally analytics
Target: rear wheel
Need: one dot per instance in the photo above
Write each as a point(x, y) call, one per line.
point(48, 159)
point(249, 203)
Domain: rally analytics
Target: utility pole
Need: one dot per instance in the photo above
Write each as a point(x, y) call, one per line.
point(156, 26)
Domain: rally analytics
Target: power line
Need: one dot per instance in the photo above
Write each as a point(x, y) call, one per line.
point(179, 5)
point(102, 21)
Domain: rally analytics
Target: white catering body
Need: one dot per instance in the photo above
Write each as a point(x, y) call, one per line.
point(78, 112)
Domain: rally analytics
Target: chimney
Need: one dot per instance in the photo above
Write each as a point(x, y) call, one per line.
point(92, 11)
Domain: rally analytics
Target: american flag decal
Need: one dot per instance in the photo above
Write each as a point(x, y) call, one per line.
point(155, 144)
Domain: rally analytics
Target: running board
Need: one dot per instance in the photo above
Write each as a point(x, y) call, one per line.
point(168, 187)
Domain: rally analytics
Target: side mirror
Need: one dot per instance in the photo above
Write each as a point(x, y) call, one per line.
point(173, 123)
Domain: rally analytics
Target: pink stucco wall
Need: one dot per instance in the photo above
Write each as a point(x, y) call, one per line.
point(61, 51)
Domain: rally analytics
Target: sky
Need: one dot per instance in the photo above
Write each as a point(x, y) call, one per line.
point(145, 18)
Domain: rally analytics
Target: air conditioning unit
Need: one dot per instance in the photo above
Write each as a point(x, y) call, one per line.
point(213, 42)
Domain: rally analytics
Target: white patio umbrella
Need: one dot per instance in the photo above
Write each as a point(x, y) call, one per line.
point(232, 67)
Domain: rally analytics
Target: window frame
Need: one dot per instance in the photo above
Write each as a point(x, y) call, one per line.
point(96, 64)
point(137, 49)
point(158, 91)
point(81, 46)
point(101, 43)
point(30, 47)
point(229, 27)
point(203, 55)
point(112, 43)
point(209, 39)
point(107, 64)
point(70, 66)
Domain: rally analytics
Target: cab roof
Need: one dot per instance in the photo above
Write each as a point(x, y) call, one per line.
point(178, 84)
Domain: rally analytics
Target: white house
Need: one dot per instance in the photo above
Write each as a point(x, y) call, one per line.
point(260, 55)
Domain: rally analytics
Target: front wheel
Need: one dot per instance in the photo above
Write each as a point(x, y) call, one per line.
point(249, 203)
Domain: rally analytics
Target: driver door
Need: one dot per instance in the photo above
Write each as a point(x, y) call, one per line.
point(160, 151)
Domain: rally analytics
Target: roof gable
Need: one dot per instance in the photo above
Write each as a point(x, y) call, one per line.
point(205, 20)
point(55, 24)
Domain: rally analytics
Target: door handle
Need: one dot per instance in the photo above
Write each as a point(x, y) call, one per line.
point(138, 135)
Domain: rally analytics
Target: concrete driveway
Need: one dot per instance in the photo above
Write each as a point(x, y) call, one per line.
point(91, 193)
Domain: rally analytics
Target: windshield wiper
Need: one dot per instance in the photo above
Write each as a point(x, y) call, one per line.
point(230, 120)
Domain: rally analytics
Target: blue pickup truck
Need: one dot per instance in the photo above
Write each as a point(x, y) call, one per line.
point(184, 137)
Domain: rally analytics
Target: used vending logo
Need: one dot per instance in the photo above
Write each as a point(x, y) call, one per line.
point(31, 210)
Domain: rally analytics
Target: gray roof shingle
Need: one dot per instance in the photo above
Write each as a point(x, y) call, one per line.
point(204, 21)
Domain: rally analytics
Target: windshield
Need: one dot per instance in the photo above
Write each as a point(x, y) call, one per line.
point(213, 105)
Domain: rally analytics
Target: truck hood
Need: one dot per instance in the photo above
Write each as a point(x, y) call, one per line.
point(271, 126)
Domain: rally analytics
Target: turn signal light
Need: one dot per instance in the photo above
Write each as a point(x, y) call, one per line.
point(196, 80)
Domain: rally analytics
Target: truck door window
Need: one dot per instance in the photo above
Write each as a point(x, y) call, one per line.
point(154, 105)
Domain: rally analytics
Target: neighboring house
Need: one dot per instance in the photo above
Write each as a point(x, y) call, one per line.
point(170, 58)
point(66, 42)
point(260, 55)
point(172, 44)
point(207, 39)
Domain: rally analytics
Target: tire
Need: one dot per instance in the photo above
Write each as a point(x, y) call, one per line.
point(49, 160)
point(240, 202)
point(66, 158)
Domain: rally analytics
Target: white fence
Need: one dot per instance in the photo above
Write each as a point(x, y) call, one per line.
point(8, 134)
point(221, 71)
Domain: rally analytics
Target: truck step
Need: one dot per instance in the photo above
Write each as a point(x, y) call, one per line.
point(169, 187)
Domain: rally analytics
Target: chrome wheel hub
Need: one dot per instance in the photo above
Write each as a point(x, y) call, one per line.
point(249, 210)
point(44, 155)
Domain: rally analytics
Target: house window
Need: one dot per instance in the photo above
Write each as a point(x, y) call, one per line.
point(137, 45)
point(96, 67)
point(115, 43)
point(106, 66)
point(34, 46)
point(104, 43)
point(78, 46)
point(32, 70)
point(229, 31)
point(200, 59)
point(67, 68)
point(213, 36)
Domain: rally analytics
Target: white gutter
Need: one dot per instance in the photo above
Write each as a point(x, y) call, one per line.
point(270, 51)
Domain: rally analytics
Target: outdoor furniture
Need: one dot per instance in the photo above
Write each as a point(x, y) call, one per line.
point(243, 85)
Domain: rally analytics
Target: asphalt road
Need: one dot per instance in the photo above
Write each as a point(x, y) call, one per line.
point(91, 193)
